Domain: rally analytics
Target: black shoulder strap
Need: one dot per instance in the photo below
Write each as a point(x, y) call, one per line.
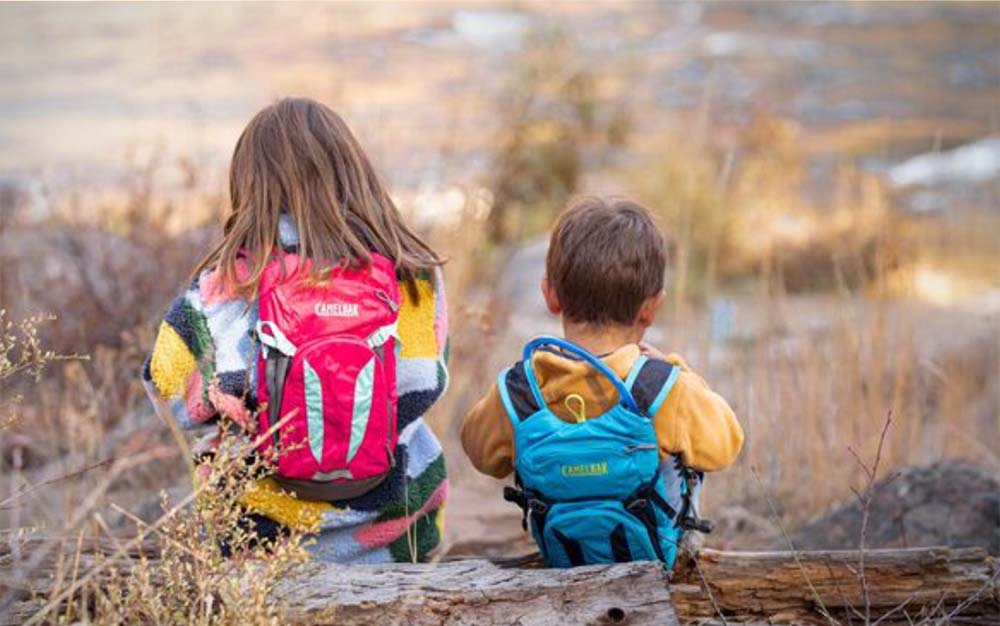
point(516, 393)
point(650, 381)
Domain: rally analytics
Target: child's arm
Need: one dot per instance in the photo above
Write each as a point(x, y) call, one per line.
point(696, 422)
point(175, 373)
point(198, 367)
point(488, 437)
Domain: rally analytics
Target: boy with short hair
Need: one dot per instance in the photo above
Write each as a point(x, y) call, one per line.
point(608, 450)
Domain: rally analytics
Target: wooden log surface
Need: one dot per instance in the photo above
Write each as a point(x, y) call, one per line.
point(458, 593)
point(904, 587)
point(477, 592)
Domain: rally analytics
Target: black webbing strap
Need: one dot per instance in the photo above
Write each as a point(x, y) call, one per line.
point(516, 495)
point(522, 401)
point(275, 371)
point(619, 545)
point(688, 518)
point(641, 506)
point(649, 382)
point(572, 547)
point(530, 502)
point(659, 501)
point(642, 509)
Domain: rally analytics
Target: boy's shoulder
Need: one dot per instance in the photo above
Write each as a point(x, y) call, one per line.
point(653, 381)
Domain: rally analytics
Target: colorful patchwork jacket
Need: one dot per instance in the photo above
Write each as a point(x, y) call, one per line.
point(202, 364)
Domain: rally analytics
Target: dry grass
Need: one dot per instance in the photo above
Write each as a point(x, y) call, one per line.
point(197, 563)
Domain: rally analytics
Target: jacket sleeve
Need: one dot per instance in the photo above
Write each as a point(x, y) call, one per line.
point(422, 367)
point(175, 372)
point(199, 365)
point(441, 326)
point(488, 437)
point(697, 423)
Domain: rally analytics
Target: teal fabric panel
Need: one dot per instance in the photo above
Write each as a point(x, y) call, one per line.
point(314, 410)
point(362, 407)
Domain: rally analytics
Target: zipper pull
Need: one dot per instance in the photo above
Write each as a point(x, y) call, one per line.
point(580, 412)
point(384, 297)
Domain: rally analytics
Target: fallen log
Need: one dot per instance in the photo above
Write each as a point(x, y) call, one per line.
point(477, 592)
point(901, 587)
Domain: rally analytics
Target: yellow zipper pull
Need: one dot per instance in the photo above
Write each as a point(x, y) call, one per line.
point(580, 413)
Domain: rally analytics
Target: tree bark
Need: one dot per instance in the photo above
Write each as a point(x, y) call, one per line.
point(477, 592)
point(903, 587)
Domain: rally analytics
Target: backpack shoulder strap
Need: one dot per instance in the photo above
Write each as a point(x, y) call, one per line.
point(625, 396)
point(650, 381)
point(633, 373)
point(515, 390)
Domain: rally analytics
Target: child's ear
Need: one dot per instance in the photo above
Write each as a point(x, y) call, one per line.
point(648, 310)
point(551, 299)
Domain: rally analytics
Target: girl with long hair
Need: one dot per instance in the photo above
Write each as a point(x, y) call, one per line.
point(304, 192)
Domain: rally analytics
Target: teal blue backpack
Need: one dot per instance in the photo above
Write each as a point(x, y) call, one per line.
point(595, 491)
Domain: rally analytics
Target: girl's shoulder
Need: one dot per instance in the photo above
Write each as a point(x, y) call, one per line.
point(210, 288)
point(423, 316)
point(426, 283)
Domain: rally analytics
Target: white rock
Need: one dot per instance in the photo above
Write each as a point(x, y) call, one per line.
point(976, 162)
point(501, 30)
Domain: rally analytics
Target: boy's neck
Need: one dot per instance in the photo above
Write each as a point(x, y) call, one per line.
point(602, 339)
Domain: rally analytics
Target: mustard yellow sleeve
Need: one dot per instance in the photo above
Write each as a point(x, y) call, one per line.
point(171, 364)
point(488, 436)
point(697, 423)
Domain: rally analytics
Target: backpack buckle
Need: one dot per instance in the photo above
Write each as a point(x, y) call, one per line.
point(539, 511)
point(637, 505)
point(515, 495)
point(537, 506)
point(696, 523)
point(689, 519)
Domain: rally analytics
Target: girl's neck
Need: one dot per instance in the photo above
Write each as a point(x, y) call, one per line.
point(602, 339)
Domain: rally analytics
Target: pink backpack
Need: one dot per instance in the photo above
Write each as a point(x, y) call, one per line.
point(328, 364)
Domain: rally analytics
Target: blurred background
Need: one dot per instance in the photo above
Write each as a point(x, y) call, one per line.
point(828, 175)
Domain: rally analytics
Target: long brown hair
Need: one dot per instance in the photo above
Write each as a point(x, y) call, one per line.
point(298, 156)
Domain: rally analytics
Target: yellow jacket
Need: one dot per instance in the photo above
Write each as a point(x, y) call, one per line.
point(693, 421)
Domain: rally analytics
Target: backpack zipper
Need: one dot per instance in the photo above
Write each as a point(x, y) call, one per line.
point(641, 446)
point(384, 297)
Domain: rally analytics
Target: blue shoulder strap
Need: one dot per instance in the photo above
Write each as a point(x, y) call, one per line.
point(650, 381)
point(668, 384)
point(624, 393)
point(505, 398)
point(634, 372)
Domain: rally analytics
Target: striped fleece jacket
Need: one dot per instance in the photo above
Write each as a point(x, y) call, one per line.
point(204, 359)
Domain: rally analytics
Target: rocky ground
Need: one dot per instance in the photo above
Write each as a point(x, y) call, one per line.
point(942, 504)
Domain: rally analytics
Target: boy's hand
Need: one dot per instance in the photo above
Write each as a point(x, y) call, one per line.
point(651, 352)
point(654, 353)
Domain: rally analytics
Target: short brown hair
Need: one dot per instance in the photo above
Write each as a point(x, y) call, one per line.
point(605, 258)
